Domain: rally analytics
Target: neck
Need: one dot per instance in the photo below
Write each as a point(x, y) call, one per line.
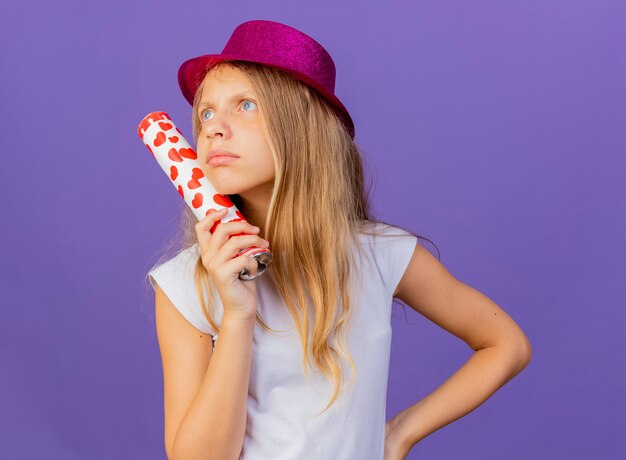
point(254, 207)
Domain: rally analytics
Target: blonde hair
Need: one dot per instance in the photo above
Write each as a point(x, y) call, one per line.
point(318, 207)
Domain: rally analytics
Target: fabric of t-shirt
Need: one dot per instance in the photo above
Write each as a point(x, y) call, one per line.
point(282, 406)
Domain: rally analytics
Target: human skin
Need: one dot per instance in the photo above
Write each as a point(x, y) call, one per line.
point(230, 119)
point(501, 350)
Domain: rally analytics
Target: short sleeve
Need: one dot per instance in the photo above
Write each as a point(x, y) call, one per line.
point(392, 254)
point(176, 279)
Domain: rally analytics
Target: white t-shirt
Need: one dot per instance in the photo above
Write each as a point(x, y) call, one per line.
point(281, 404)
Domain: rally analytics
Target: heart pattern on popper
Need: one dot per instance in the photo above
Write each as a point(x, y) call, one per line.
point(180, 162)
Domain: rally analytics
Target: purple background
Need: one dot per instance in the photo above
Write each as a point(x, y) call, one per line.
point(494, 128)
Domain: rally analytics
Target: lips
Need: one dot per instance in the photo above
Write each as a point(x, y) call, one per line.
point(215, 153)
point(218, 160)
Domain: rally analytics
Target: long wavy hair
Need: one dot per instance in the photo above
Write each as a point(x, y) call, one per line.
point(318, 206)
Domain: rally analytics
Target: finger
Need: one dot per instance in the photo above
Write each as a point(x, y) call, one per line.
point(226, 230)
point(232, 247)
point(237, 243)
point(212, 216)
point(203, 227)
point(235, 266)
point(229, 270)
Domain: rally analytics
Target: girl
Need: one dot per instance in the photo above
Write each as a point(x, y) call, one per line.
point(310, 381)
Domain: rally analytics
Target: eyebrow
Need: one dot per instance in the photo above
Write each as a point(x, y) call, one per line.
point(207, 102)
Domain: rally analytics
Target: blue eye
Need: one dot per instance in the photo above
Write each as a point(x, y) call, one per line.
point(249, 101)
point(203, 118)
point(202, 115)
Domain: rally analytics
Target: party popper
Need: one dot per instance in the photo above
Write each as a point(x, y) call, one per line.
point(179, 162)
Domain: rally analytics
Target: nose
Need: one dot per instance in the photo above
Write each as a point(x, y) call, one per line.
point(218, 126)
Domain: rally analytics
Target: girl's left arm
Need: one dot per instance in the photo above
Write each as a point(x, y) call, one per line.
point(502, 350)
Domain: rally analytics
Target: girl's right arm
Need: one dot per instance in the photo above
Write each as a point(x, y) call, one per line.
point(206, 391)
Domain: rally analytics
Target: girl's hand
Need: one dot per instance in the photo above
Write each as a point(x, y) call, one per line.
point(394, 448)
point(218, 251)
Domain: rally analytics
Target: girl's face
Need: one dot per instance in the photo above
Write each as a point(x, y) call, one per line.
point(230, 119)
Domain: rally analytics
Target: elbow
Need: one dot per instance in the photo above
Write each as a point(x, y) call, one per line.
point(515, 353)
point(521, 354)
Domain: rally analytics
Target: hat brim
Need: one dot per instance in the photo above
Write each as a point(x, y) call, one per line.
point(192, 72)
